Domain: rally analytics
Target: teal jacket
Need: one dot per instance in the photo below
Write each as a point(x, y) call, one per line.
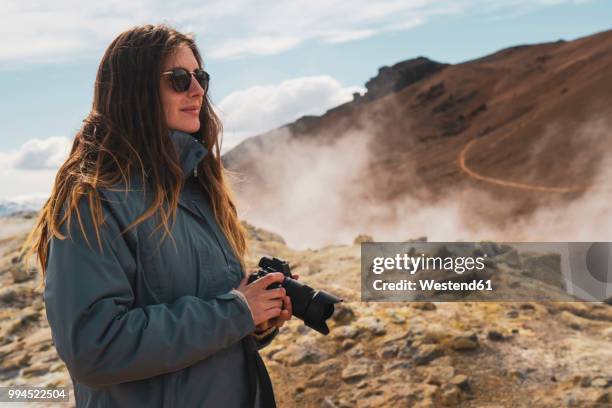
point(140, 324)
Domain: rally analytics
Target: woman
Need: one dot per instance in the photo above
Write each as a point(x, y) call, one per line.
point(141, 247)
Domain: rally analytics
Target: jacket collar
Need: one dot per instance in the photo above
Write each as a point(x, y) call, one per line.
point(190, 150)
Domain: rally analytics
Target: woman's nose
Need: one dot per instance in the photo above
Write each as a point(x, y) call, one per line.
point(195, 89)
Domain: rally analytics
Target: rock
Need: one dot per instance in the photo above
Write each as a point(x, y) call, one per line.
point(605, 398)
point(59, 366)
point(423, 305)
point(259, 234)
point(439, 374)
point(427, 353)
point(434, 335)
point(521, 374)
point(510, 258)
point(35, 370)
point(491, 249)
point(460, 381)
point(356, 352)
point(405, 351)
point(362, 238)
point(303, 329)
point(388, 351)
point(395, 317)
point(600, 382)
point(513, 314)
point(429, 390)
point(398, 76)
point(395, 338)
point(463, 343)
point(545, 268)
point(345, 332)
point(19, 274)
point(425, 403)
point(317, 381)
point(41, 337)
point(607, 333)
point(416, 240)
point(328, 403)
point(21, 322)
point(8, 296)
point(328, 367)
point(581, 380)
point(355, 371)
point(494, 335)
point(342, 403)
point(314, 267)
point(343, 314)
point(15, 361)
point(373, 325)
point(347, 344)
point(451, 397)
point(295, 355)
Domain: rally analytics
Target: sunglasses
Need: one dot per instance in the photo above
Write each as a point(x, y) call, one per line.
point(181, 79)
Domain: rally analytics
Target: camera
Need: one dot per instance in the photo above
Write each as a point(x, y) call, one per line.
point(312, 306)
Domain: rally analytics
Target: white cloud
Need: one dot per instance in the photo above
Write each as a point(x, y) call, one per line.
point(37, 31)
point(27, 173)
point(263, 107)
point(260, 45)
point(40, 154)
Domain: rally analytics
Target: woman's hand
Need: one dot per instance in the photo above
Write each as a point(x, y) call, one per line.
point(285, 314)
point(265, 304)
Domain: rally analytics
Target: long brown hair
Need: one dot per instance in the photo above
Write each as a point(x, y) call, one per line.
point(126, 133)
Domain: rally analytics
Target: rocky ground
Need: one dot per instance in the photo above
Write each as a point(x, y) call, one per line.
point(468, 354)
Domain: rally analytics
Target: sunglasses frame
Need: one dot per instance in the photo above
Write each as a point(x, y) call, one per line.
point(192, 76)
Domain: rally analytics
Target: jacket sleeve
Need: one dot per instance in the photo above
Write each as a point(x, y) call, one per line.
point(99, 333)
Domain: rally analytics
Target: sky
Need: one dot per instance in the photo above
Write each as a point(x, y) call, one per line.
point(270, 62)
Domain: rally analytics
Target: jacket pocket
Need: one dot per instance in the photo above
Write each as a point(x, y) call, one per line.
point(148, 268)
point(214, 274)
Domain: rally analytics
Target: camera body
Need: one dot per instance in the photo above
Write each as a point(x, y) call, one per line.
point(312, 306)
point(270, 265)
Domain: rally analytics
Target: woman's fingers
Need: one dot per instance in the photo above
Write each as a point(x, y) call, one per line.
point(271, 313)
point(277, 293)
point(288, 306)
point(269, 279)
point(273, 303)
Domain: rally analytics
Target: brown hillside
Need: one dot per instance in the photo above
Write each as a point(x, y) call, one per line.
point(527, 125)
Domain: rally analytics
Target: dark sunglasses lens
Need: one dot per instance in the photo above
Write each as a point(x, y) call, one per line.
point(202, 78)
point(181, 79)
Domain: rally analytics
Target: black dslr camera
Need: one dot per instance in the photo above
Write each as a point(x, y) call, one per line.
point(312, 306)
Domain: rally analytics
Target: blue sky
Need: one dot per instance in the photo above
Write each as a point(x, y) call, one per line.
point(270, 61)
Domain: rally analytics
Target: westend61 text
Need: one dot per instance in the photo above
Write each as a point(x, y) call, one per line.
point(430, 284)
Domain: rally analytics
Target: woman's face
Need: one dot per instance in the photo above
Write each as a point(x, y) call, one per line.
point(182, 110)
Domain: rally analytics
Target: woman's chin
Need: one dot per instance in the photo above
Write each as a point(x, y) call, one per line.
point(188, 127)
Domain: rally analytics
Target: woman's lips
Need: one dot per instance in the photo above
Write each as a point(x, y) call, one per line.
point(191, 111)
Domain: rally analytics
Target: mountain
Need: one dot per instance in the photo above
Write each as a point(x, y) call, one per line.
point(24, 206)
point(525, 127)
